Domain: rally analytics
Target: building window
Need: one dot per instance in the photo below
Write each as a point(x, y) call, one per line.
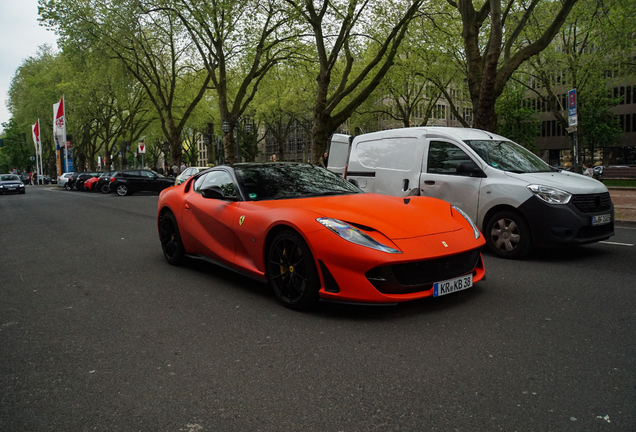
point(622, 95)
point(628, 94)
point(621, 119)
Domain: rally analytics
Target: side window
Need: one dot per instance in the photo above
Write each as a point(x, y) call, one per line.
point(147, 174)
point(130, 174)
point(217, 178)
point(444, 157)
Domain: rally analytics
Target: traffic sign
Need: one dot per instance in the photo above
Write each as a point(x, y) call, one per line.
point(142, 148)
point(572, 108)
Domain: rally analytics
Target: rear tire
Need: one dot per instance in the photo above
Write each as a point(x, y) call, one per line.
point(67, 186)
point(292, 271)
point(105, 188)
point(122, 190)
point(508, 235)
point(170, 238)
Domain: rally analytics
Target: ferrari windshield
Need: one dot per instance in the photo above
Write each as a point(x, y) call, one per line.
point(508, 156)
point(289, 180)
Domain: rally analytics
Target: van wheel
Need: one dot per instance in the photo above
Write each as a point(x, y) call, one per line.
point(508, 235)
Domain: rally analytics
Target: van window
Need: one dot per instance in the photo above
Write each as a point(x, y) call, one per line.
point(508, 156)
point(393, 153)
point(444, 157)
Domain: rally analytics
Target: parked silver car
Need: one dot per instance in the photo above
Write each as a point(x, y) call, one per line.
point(61, 180)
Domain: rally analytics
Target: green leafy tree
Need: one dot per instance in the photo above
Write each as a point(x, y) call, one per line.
point(16, 152)
point(517, 121)
point(498, 40)
point(150, 43)
point(236, 56)
point(342, 31)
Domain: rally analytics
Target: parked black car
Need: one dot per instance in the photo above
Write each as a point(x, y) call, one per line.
point(103, 182)
point(70, 184)
point(131, 181)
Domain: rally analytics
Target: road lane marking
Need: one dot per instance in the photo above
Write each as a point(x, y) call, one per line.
point(615, 243)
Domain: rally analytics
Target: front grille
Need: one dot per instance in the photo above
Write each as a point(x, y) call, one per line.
point(594, 231)
point(420, 275)
point(592, 203)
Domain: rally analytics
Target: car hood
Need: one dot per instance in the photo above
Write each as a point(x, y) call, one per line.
point(567, 181)
point(10, 182)
point(395, 217)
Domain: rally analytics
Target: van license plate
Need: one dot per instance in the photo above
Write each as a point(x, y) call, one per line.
point(452, 285)
point(601, 219)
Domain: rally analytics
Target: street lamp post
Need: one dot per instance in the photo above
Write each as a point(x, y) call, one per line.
point(244, 123)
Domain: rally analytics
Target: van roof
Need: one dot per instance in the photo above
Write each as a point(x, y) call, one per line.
point(458, 133)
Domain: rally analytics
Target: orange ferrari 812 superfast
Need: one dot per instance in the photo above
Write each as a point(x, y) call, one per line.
point(315, 236)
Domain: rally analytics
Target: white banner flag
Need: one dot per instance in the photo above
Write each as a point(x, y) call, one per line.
point(35, 129)
point(59, 124)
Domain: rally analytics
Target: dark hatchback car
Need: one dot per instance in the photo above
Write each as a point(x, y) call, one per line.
point(71, 181)
point(11, 183)
point(104, 181)
point(131, 181)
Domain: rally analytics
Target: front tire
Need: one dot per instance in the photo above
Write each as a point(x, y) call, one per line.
point(292, 271)
point(67, 186)
point(508, 235)
point(122, 190)
point(170, 238)
point(105, 188)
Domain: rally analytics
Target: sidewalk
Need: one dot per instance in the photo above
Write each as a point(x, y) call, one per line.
point(624, 200)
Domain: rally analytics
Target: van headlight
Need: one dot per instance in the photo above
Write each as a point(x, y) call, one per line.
point(476, 232)
point(354, 235)
point(549, 194)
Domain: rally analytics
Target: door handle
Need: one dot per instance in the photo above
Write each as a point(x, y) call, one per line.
point(405, 185)
point(429, 182)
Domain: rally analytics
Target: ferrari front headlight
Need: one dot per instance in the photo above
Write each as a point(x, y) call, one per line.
point(549, 194)
point(476, 232)
point(354, 235)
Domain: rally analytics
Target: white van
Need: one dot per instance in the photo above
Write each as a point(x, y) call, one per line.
point(516, 198)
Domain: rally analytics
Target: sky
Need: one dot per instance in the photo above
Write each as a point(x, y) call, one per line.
point(20, 37)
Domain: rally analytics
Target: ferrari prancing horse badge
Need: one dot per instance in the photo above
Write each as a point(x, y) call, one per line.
point(241, 220)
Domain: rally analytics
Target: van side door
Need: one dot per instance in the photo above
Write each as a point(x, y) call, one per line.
point(389, 166)
point(339, 154)
point(448, 174)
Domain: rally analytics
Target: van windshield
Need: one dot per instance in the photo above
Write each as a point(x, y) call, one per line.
point(508, 156)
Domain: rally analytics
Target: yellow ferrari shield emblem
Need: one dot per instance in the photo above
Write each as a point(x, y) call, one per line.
point(444, 243)
point(241, 220)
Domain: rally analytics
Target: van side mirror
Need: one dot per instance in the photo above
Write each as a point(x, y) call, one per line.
point(469, 169)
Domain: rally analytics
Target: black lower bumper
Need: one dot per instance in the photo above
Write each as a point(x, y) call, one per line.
point(565, 224)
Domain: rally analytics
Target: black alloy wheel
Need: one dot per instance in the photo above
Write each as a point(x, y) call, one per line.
point(67, 186)
point(508, 235)
point(171, 244)
point(105, 188)
point(292, 271)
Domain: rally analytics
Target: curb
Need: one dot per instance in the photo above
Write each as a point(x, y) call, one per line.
point(625, 223)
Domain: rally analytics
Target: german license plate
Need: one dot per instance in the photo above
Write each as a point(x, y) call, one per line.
point(601, 219)
point(452, 285)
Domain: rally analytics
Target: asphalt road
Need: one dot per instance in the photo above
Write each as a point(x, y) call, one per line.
point(98, 332)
